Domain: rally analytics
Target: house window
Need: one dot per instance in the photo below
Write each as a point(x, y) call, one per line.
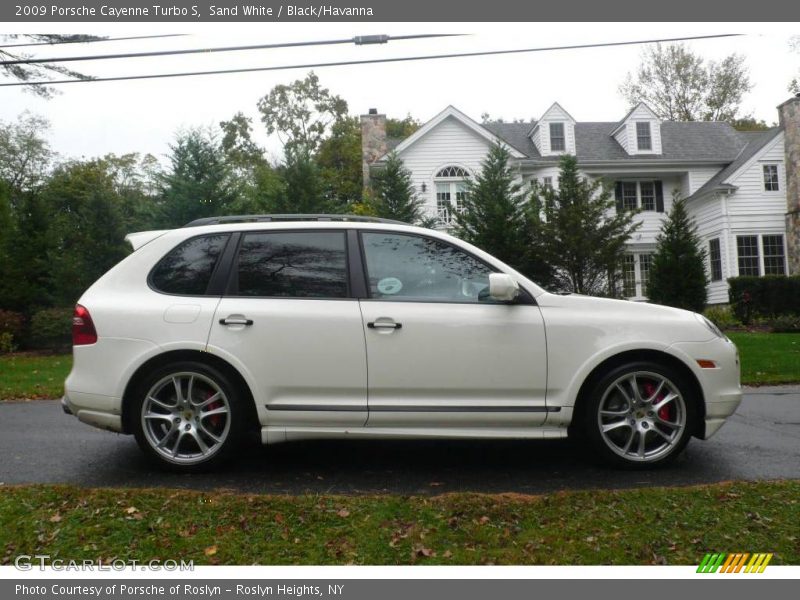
point(643, 139)
point(629, 195)
point(636, 274)
point(747, 249)
point(629, 276)
point(771, 178)
point(451, 193)
point(557, 141)
point(644, 272)
point(715, 259)
point(647, 194)
point(774, 258)
point(547, 182)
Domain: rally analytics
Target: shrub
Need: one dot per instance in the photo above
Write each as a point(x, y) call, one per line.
point(12, 322)
point(51, 328)
point(785, 324)
point(722, 317)
point(770, 296)
point(7, 343)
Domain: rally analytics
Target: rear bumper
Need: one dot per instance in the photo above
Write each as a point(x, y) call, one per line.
point(90, 410)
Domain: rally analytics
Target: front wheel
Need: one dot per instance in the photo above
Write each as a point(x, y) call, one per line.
point(187, 416)
point(640, 415)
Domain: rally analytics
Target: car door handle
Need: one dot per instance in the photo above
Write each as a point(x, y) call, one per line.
point(384, 325)
point(236, 321)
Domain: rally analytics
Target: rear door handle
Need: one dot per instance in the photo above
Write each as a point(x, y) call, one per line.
point(383, 325)
point(236, 321)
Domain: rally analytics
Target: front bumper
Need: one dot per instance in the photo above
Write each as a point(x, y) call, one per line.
point(721, 385)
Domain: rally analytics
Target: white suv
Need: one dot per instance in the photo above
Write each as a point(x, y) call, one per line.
point(304, 327)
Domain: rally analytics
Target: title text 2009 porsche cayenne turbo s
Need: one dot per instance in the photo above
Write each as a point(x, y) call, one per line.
point(304, 327)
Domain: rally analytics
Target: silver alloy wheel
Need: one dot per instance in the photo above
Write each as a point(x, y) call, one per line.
point(186, 417)
point(642, 416)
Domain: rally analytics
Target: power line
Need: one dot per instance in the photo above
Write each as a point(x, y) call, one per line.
point(372, 61)
point(94, 41)
point(360, 40)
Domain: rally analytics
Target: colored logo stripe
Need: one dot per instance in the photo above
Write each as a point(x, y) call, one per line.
point(734, 563)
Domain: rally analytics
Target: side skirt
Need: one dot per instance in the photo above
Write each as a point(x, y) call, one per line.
point(275, 435)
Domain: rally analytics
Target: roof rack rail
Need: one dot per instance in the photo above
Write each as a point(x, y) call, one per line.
point(288, 217)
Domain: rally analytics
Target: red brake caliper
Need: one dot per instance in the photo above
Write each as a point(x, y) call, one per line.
point(663, 412)
point(215, 419)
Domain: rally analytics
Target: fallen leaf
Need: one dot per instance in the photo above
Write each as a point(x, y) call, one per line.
point(131, 509)
point(55, 518)
point(278, 518)
point(343, 513)
point(484, 520)
point(210, 551)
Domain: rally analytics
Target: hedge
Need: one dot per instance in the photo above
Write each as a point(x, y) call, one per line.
point(770, 296)
point(51, 329)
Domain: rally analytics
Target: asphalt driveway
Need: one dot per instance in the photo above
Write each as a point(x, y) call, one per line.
point(40, 444)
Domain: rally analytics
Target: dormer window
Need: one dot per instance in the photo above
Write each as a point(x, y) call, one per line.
point(643, 139)
point(558, 142)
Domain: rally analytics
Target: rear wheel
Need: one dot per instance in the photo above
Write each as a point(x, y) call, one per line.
point(639, 415)
point(188, 416)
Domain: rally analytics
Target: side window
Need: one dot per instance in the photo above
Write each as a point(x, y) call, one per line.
point(408, 267)
point(187, 269)
point(293, 265)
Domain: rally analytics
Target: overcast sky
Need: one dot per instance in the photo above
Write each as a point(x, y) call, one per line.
point(94, 119)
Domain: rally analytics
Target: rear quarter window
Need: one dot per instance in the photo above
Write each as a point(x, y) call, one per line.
point(187, 269)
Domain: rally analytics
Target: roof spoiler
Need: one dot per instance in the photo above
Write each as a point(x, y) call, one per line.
point(140, 238)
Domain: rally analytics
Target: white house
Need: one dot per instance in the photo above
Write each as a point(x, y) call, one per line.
point(735, 182)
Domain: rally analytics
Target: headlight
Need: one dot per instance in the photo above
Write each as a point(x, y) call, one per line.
point(709, 325)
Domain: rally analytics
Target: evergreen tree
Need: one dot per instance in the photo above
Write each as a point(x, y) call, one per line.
point(302, 191)
point(677, 272)
point(393, 194)
point(494, 217)
point(199, 182)
point(339, 161)
point(578, 231)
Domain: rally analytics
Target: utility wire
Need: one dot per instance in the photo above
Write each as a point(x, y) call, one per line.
point(117, 39)
point(370, 61)
point(360, 40)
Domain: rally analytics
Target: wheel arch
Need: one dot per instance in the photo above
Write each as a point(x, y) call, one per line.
point(172, 356)
point(629, 356)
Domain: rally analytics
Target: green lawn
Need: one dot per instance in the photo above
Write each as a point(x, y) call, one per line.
point(637, 527)
point(33, 375)
point(768, 358)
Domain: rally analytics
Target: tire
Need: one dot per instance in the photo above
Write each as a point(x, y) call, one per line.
point(193, 431)
point(641, 429)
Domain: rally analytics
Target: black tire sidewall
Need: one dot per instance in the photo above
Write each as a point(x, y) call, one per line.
point(236, 411)
point(590, 432)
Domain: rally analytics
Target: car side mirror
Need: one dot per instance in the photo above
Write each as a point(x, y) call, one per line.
point(503, 287)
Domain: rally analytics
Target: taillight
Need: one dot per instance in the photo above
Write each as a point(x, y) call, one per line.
point(83, 331)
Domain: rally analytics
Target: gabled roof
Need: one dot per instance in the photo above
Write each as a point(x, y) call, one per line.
point(628, 116)
point(453, 112)
point(754, 142)
point(553, 106)
point(680, 142)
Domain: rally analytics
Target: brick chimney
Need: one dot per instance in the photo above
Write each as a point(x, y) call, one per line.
point(373, 141)
point(789, 113)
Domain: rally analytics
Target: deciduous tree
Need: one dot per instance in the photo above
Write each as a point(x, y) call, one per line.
point(680, 85)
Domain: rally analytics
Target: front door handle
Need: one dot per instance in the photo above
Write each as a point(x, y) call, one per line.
point(384, 325)
point(236, 321)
